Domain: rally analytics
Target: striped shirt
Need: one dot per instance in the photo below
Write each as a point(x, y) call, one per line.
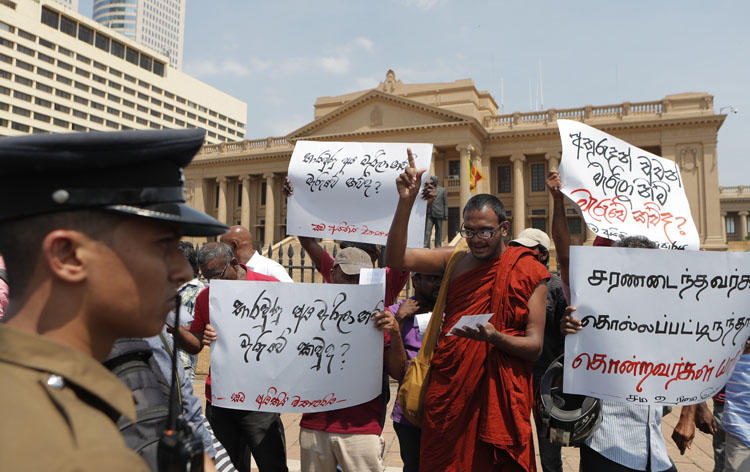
point(629, 434)
point(736, 417)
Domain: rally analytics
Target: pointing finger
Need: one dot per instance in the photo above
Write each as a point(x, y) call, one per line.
point(410, 157)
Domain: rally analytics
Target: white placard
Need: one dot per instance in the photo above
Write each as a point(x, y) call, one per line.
point(623, 190)
point(301, 348)
point(372, 276)
point(660, 327)
point(423, 320)
point(347, 191)
point(470, 321)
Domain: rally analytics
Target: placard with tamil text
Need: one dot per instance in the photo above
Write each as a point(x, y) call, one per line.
point(659, 327)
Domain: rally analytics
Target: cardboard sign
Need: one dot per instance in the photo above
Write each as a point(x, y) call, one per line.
point(623, 190)
point(302, 348)
point(659, 327)
point(347, 191)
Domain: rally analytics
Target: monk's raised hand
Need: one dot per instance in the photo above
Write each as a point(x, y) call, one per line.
point(409, 181)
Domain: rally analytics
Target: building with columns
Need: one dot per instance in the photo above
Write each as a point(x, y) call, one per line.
point(240, 183)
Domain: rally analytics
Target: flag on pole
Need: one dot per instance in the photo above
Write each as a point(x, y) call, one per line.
point(474, 175)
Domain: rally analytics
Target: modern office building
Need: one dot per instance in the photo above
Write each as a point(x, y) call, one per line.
point(70, 4)
point(61, 71)
point(156, 24)
point(241, 182)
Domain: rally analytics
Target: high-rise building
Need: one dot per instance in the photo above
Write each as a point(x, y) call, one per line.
point(61, 71)
point(71, 4)
point(156, 24)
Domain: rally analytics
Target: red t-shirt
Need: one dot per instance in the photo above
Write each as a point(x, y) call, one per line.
point(358, 419)
point(201, 315)
point(394, 279)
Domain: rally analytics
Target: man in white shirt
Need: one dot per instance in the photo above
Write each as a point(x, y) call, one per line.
point(243, 247)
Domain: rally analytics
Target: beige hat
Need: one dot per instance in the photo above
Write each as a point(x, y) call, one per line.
point(532, 237)
point(351, 259)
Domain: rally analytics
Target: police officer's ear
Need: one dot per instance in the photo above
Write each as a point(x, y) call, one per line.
point(64, 253)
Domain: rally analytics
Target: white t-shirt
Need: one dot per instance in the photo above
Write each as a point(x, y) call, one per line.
point(266, 266)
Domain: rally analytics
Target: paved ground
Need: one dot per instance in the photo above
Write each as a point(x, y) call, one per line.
point(698, 458)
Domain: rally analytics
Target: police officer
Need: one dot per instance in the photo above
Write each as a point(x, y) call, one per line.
point(89, 226)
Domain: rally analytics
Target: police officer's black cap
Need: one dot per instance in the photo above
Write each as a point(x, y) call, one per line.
point(129, 172)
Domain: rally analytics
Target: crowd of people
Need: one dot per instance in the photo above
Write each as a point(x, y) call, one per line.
point(104, 295)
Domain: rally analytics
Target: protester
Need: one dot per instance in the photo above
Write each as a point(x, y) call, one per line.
point(736, 417)
point(477, 406)
point(437, 212)
point(92, 256)
point(3, 287)
point(394, 279)
point(719, 439)
point(350, 437)
point(426, 289)
point(629, 437)
point(260, 432)
point(538, 241)
point(188, 293)
point(241, 241)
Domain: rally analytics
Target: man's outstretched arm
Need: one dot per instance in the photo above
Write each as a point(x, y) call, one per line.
point(560, 231)
point(428, 261)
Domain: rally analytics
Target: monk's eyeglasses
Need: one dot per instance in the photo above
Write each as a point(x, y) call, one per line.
point(481, 234)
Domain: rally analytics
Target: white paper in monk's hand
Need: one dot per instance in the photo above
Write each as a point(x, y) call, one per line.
point(302, 348)
point(422, 319)
point(623, 190)
point(471, 321)
point(347, 191)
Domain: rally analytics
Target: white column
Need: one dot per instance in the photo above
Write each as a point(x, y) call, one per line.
point(519, 194)
point(743, 225)
point(724, 226)
point(222, 203)
point(245, 210)
point(270, 210)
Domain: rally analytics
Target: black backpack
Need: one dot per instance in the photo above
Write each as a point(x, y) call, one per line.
point(132, 361)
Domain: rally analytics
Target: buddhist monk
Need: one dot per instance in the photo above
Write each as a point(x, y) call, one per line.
point(478, 403)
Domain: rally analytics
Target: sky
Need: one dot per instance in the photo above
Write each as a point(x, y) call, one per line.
point(279, 56)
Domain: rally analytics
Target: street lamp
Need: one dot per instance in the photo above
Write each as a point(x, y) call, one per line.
point(732, 109)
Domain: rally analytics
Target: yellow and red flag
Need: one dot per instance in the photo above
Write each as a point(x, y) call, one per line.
point(474, 175)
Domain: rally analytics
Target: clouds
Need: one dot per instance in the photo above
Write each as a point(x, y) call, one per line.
point(336, 60)
point(423, 4)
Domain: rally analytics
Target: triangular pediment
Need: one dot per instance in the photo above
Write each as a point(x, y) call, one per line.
point(377, 111)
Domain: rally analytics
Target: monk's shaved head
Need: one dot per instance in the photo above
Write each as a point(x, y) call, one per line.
point(241, 241)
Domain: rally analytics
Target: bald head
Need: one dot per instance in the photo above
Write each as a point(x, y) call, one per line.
point(241, 241)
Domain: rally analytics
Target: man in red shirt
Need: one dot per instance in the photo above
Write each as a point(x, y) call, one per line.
point(237, 430)
point(350, 437)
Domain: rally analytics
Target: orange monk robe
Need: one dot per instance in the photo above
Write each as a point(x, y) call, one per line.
point(478, 403)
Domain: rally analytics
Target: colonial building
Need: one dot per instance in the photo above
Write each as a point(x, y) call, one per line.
point(240, 183)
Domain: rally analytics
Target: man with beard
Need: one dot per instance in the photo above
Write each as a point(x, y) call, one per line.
point(477, 406)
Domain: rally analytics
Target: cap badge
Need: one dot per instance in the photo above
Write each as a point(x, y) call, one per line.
point(60, 196)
